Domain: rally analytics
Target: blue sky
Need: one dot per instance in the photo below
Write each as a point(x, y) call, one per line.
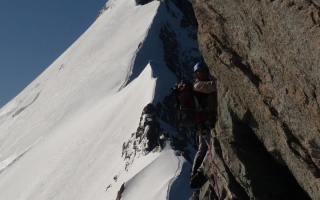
point(34, 33)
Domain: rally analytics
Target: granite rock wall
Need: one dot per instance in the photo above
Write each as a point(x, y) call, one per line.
point(265, 55)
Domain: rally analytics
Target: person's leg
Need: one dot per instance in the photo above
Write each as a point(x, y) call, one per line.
point(200, 155)
point(206, 140)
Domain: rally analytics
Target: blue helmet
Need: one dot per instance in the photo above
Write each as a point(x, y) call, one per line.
point(200, 65)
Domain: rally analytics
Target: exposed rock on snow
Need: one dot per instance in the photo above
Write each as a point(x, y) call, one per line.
point(150, 137)
point(145, 139)
point(120, 192)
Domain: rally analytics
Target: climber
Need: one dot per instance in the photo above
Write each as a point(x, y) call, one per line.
point(205, 95)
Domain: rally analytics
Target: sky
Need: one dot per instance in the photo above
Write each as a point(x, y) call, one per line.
point(34, 33)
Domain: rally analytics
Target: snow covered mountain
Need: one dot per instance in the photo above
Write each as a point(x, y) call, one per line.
point(61, 137)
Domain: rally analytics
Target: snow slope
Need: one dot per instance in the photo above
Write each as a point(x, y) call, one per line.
point(61, 137)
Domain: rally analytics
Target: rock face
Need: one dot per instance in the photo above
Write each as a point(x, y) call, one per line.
point(145, 139)
point(265, 55)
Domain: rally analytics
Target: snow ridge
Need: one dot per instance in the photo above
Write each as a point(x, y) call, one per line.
point(61, 137)
point(14, 158)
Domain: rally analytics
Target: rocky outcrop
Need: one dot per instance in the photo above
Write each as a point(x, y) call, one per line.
point(186, 8)
point(265, 55)
point(179, 56)
point(103, 9)
point(145, 139)
point(143, 2)
point(119, 194)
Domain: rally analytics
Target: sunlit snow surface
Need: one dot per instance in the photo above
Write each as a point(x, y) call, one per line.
point(61, 137)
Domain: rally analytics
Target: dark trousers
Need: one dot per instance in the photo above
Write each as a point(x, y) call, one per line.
point(202, 153)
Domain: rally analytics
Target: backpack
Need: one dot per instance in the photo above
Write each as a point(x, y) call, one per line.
point(185, 103)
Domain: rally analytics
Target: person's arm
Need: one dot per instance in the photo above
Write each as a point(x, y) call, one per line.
point(205, 86)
